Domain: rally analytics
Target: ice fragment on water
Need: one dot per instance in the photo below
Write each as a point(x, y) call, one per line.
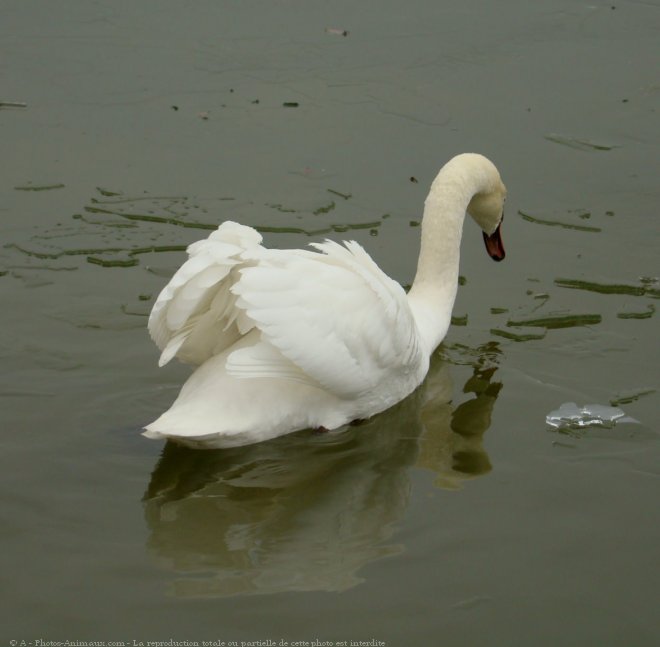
point(571, 416)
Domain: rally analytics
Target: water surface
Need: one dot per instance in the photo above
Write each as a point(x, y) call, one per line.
point(130, 131)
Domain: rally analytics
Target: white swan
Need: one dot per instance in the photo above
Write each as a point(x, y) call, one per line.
point(293, 339)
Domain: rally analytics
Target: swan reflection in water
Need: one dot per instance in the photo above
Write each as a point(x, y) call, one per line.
point(306, 511)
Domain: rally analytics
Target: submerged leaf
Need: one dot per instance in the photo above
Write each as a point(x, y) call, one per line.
point(515, 336)
point(113, 262)
point(562, 321)
point(45, 187)
point(578, 144)
point(556, 223)
point(327, 209)
point(627, 398)
point(602, 288)
point(637, 315)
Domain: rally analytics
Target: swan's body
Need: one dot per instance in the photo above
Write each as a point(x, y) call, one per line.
point(292, 339)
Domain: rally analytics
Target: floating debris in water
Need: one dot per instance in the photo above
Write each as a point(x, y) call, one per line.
point(109, 212)
point(336, 32)
point(44, 187)
point(515, 336)
point(346, 196)
point(602, 288)
point(281, 208)
point(578, 144)
point(107, 193)
point(113, 262)
point(339, 228)
point(571, 416)
point(647, 314)
point(13, 104)
point(290, 104)
point(562, 321)
point(132, 251)
point(325, 209)
point(149, 218)
point(630, 396)
point(125, 309)
point(557, 223)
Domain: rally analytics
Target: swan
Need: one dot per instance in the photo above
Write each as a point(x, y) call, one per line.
point(293, 339)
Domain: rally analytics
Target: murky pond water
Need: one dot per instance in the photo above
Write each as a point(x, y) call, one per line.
point(458, 517)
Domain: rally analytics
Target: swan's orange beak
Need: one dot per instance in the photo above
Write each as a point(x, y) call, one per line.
point(494, 245)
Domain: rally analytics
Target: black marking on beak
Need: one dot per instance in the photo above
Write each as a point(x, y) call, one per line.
point(494, 245)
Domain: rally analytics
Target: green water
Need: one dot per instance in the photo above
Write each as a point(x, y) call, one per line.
point(457, 518)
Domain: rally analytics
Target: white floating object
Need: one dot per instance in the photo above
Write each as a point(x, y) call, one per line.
point(571, 416)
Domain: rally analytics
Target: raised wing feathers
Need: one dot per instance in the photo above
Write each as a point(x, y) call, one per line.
point(334, 315)
point(331, 319)
point(194, 315)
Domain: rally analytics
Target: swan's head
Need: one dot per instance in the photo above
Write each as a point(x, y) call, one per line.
point(487, 209)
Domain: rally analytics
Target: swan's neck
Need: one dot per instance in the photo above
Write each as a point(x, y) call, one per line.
point(433, 291)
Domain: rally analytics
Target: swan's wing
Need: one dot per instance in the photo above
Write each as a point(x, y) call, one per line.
point(336, 316)
point(194, 316)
